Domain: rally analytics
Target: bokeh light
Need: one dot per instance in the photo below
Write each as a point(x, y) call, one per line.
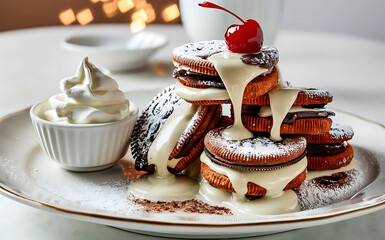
point(110, 9)
point(85, 16)
point(170, 13)
point(125, 5)
point(67, 17)
point(137, 25)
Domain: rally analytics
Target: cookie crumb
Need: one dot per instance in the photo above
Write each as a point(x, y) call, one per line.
point(188, 206)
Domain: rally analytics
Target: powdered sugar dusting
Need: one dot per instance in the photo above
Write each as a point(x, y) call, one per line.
point(107, 192)
point(315, 194)
point(259, 147)
point(110, 196)
point(311, 92)
point(199, 50)
point(151, 121)
point(341, 131)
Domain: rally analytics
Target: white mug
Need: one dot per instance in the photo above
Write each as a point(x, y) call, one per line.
point(211, 24)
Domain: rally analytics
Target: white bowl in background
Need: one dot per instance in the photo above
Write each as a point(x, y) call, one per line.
point(84, 147)
point(117, 52)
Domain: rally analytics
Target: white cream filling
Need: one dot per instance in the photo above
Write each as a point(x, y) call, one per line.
point(200, 94)
point(274, 181)
point(276, 201)
point(286, 203)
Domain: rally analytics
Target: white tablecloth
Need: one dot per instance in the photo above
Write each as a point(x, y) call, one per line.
point(32, 63)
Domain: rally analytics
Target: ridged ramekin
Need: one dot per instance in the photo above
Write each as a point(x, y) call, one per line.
point(84, 147)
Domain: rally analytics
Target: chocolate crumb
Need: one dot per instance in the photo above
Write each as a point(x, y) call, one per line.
point(335, 178)
point(188, 206)
point(267, 58)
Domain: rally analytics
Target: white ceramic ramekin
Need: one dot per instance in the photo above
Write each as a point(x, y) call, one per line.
point(84, 147)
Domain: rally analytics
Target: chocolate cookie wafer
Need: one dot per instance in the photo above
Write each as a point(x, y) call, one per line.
point(255, 152)
point(190, 144)
point(330, 150)
point(309, 97)
point(225, 162)
point(306, 116)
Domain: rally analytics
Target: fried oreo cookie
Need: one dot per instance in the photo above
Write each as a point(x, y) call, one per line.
point(224, 159)
point(330, 150)
point(189, 145)
point(309, 98)
point(307, 115)
point(199, 82)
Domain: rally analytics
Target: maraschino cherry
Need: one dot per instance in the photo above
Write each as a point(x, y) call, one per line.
point(244, 38)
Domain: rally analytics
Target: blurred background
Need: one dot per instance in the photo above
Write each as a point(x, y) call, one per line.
point(363, 18)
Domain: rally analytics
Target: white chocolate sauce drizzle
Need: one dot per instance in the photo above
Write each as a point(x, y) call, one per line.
point(201, 94)
point(281, 99)
point(274, 181)
point(286, 203)
point(275, 201)
point(172, 188)
point(162, 185)
point(168, 137)
point(235, 76)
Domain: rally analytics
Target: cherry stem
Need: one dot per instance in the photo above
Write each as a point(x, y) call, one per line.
point(212, 5)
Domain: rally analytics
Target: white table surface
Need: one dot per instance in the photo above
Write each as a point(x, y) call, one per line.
point(32, 63)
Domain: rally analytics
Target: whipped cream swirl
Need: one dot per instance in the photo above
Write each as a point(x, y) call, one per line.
point(88, 97)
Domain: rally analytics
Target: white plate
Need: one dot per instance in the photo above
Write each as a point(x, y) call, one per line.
point(29, 177)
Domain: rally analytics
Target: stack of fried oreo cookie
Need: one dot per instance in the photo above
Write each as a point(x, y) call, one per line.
point(327, 140)
point(199, 83)
point(306, 128)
